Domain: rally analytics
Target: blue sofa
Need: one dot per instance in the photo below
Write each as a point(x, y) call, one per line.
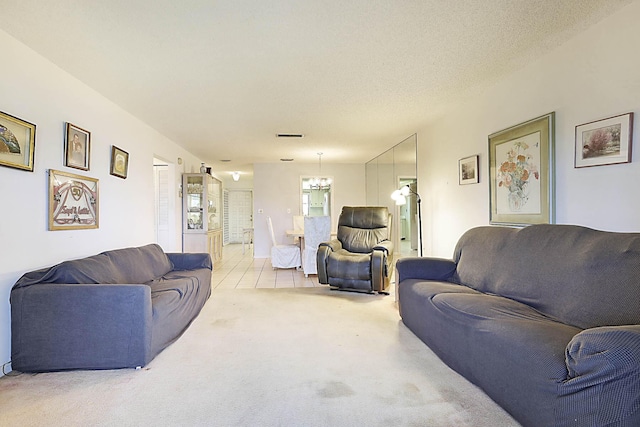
point(117, 309)
point(545, 319)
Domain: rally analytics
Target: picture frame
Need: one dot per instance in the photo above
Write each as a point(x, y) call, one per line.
point(604, 142)
point(468, 170)
point(119, 162)
point(17, 142)
point(77, 147)
point(73, 201)
point(521, 171)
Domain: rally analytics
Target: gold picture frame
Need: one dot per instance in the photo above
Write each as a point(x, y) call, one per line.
point(73, 201)
point(119, 162)
point(77, 147)
point(521, 171)
point(17, 142)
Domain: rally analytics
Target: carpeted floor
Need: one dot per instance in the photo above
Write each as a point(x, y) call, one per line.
point(267, 357)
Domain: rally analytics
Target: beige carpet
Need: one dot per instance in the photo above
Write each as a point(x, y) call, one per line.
point(267, 357)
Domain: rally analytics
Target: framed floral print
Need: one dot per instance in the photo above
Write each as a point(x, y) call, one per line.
point(73, 201)
point(521, 171)
point(77, 147)
point(17, 142)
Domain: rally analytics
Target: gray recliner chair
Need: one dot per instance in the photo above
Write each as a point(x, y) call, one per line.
point(360, 258)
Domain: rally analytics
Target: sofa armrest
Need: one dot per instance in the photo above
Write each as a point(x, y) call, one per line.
point(74, 326)
point(190, 261)
point(424, 268)
point(603, 365)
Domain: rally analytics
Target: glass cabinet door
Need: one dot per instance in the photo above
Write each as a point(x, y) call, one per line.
point(195, 202)
point(213, 204)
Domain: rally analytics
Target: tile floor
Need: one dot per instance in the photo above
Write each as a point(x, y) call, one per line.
point(238, 270)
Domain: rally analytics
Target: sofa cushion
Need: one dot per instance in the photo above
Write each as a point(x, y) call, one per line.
point(129, 265)
point(580, 276)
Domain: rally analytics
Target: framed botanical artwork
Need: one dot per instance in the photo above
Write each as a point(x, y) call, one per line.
point(468, 170)
point(521, 171)
point(77, 147)
point(604, 142)
point(73, 201)
point(119, 162)
point(17, 142)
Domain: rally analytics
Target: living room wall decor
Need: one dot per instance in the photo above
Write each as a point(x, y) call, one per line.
point(17, 142)
point(77, 147)
point(604, 142)
point(73, 201)
point(468, 170)
point(521, 171)
point(119, 162)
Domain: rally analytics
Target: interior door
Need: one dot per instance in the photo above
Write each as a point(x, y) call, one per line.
point(240, 213)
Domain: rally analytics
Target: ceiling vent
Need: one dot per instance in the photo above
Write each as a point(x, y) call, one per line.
point(289, 135)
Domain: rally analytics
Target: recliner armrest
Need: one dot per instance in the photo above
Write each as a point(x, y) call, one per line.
point(333, 244)
point(322, 258)
point(385, 245)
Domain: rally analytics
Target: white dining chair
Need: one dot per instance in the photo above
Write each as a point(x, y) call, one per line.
point(282, 255)
point(317, 229)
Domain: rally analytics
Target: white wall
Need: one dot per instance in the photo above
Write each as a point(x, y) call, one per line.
point(276, 189)
point(36, 91)
point(593, 76)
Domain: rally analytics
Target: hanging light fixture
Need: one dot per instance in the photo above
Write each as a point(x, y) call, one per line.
point(235, 176)
point(320, 182)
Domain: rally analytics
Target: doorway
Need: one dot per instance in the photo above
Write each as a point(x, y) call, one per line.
point(239, 205)
point(165, 205)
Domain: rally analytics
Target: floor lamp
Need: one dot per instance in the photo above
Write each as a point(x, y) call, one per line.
point(400, 196)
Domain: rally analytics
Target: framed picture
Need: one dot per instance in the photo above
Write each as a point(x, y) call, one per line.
point(119, 162)
point(17, 142)
point(77, 147)
point(73, 201)
point(468, 170)
point(521, 171)
point(604, 142)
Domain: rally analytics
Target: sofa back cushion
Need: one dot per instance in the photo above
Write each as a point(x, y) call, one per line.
point(129, 265)
point(580, 276)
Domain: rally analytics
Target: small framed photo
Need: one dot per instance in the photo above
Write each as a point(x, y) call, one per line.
point(17, 142)
point(119, 162)
point(604, 142)
point(77, 147)
point(468, 170)
point(73, 201)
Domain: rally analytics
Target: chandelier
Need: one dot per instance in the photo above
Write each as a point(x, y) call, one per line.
point(320, 183)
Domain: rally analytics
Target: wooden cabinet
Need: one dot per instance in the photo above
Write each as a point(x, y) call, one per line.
point(202, 215)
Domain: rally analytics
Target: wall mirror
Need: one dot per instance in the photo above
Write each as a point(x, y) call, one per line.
point(388, 172)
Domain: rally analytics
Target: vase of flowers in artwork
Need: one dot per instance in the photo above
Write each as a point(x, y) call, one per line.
point(515, 173)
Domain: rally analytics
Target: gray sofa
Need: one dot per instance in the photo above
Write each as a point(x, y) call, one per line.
point(545, 319)
point(118, 309)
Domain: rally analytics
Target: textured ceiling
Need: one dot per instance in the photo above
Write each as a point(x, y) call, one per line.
point(221, 78)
